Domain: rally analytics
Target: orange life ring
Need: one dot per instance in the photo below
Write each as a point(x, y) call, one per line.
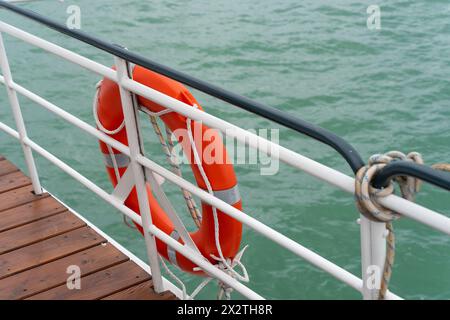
point(220, 175)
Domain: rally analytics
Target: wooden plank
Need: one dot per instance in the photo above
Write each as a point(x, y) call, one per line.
point(29, 212)
point(48, 250)
point(18, 197)
point(142, 291)
point(40, 238)
point(13, 180)
point(38, 231)
point(7, 167)
point(99, 284)
point(53, 274)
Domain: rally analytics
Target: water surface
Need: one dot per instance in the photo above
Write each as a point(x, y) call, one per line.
point(380, 90)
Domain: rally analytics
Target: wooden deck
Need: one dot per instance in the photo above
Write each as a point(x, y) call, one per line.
point(40, 238)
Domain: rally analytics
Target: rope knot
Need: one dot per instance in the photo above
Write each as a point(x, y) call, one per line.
point(227, 265)
point(367, 196)
point(367, 200)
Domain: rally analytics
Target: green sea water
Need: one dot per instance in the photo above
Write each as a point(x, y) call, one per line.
point(379, 89)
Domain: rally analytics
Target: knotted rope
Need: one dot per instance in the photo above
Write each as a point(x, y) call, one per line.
point(441, 166)
point(367, 200)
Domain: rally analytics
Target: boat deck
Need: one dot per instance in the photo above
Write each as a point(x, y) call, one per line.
point(40, 238)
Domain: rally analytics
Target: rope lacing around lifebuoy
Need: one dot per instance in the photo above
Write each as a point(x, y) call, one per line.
point(367, 200)
point(173, 161)
point(225, 264)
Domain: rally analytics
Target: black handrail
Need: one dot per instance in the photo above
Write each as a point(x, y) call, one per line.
point(337, 143)
point(406, 168)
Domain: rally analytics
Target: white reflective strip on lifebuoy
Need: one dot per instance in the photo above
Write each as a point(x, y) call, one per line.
point(230, 196)
point(122, 160)
point(172, 254)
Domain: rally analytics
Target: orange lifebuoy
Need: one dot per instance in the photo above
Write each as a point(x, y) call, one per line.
point(220, 174)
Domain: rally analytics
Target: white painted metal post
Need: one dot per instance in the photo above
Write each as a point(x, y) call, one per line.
point(133, 135)
point(17, 113)
point(373, 254)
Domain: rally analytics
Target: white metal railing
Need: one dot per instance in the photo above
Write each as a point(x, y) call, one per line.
point(372, 233)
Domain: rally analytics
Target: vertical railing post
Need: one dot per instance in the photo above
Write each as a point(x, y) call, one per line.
point(373, 253)
point(17, 113)
point(134, 143)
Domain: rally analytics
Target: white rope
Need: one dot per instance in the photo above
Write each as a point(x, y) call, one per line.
point(226, 265)
point(170, 273)
point(221, 258)
point(223, 288)
point(95, 113)
point(200, 287)
point(156, 114)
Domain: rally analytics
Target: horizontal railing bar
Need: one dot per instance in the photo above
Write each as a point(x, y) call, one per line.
point(124, 149)
point(13, 133)
point(76, 175)
point(290, 157)
point(437, 221)
point(271, 149)
point(266, 231)
point(86, 127)
point(185, 251)
point(93, 131)
point(339, 144)
point(322, 172)
point(256, 225)
point(201, 262)
point(277, 237)
point(145, 266)
point(69, 117)
point(275, 115)
point(301, 251)
point(117, 145)
point(68, 55)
